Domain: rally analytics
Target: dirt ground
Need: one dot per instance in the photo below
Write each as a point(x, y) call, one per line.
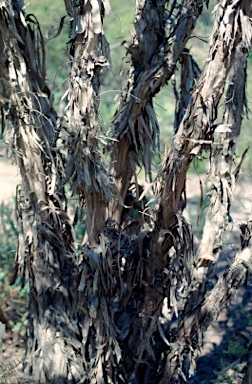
point(9, 178)
point(232, 322)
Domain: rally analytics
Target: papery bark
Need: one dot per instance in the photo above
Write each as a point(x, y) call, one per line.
point(46, 244)
point(196, 129)
point(153, 56)
point(86, 171)
point(99, 319)
point(221, 180)
point(196, 126)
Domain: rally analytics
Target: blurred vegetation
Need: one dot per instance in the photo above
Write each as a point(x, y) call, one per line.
point(13, 302)
point(231, 364)
point(6, 372)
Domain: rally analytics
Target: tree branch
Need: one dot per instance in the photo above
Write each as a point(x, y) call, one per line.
point(198, 319)
point(153, 56)
point(87, 174)
point(221, 180)
point(202, 111)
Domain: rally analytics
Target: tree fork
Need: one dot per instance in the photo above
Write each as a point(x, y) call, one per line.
point(202, 110)
point(135, 122)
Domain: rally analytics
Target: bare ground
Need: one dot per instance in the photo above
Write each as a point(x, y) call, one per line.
point(232, 322)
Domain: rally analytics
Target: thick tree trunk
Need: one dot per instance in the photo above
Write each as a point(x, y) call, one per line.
point(46, 246)
point(99, 321)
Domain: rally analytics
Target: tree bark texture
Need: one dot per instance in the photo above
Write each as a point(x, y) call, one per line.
point(46, 245)
point(100, 320)
point(221, 179)
point(202, 110)
point(221, 182)
point(89, 50)
point(153, 55)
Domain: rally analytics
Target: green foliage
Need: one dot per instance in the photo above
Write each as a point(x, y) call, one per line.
point(222, 378)
point(236, 352)
point(249, 316)
point(14, 303)
point(235, 348)
point(9, 235)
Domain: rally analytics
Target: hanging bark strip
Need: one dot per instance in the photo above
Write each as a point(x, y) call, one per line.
point(196, 317)
point(221, 180)
point(153, 57)
point(167, 264)
point(182, 349)
point(202, 111)
point(46, 247)
point(189, 73)
point(99, 321)
point(233, 26)
point(89, 179)
point(89, 52)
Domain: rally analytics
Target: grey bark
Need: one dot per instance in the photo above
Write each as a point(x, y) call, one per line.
point(99, 321)
point(46, 245)
point(154, 55)
point(87, 174)
point(202, 109)
point(221, 179)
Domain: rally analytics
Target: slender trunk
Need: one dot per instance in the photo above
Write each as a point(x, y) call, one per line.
point(87, 174)
point(221, 179)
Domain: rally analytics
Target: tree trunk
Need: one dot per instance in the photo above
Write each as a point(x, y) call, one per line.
point(46, 245)
point(98, 320)
point(153, 58)
point(87, 174)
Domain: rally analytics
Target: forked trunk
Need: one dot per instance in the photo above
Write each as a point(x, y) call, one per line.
point(99, 320)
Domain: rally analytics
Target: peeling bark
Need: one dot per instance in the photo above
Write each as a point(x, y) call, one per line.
point(86, 173)
point(182, 349)
point(153, 56)
point(221, 180)
point(46, 246)
point(170, 248)
point(200, 311)
point(192, 320)
point(232, 20)
point(189, 73)
point(99, 320)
